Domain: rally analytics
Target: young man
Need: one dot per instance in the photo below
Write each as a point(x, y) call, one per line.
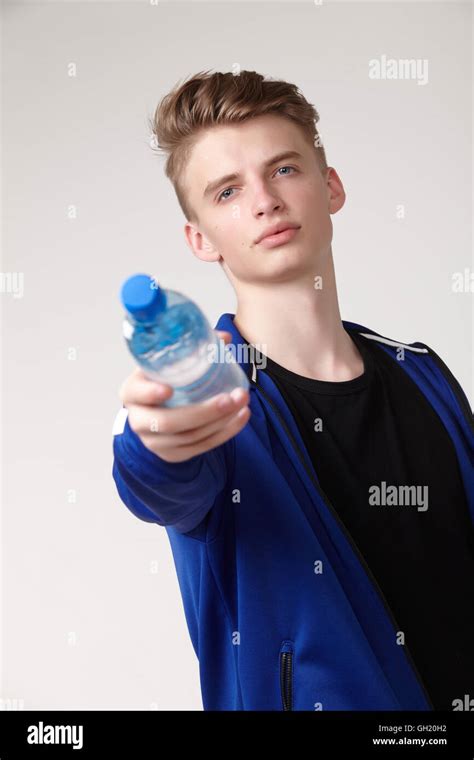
point(321, 523)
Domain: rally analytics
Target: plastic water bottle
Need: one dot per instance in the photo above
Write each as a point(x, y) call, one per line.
point(173, 343)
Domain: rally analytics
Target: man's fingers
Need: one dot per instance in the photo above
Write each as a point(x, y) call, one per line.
point(139, 389)
point(189, 437)
point(234, 426)
point(180, 419)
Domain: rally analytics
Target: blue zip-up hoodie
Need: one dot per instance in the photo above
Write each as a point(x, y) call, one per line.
point(248, 527)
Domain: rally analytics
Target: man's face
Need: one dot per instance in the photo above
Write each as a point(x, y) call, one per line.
point(233, 214)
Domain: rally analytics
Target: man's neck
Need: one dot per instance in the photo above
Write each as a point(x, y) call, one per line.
point(299, 326)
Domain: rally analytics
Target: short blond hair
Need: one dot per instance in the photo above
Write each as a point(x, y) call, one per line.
point(210, 99)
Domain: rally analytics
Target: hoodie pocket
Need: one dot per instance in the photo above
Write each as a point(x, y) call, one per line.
point(286, 674)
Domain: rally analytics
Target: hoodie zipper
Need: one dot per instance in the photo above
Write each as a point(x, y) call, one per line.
point(349, 538)
point(286, 675)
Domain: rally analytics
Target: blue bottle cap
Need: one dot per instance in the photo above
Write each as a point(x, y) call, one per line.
point(142, 297)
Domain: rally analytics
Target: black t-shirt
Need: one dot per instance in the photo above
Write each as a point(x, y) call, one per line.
point(377, 429)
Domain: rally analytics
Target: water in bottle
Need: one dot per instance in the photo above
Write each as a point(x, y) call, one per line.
point(172, 341)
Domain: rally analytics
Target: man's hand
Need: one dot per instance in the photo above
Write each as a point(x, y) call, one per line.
point(180, 433)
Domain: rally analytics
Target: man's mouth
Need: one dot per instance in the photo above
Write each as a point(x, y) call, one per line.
point(279, 238)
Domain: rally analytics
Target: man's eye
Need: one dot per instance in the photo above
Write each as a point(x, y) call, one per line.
point(286, 167)
point(219, 197)
point(224, 191)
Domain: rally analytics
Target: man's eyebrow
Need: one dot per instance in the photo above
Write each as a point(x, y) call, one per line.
point(215, 184)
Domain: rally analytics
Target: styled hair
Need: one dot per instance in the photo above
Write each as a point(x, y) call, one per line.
point(210, 99)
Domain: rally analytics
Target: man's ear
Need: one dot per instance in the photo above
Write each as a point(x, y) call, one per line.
point(335, 190)
point(199, 244)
